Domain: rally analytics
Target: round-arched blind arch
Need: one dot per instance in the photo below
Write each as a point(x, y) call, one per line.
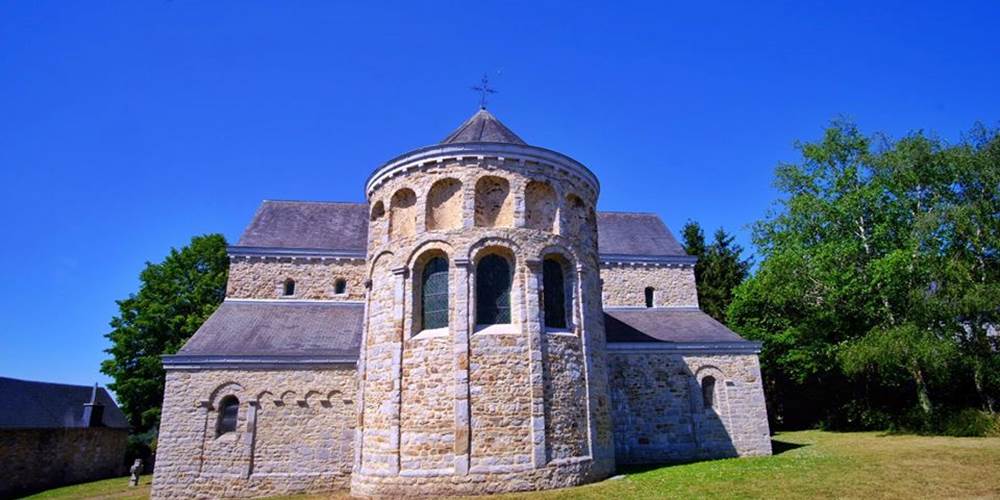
point(493, 280)
point(434, 294)
point(554, 294)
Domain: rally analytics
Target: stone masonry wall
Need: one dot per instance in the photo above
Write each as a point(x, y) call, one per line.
point(659, 414)
point(257, 278)
point(38, 459)
point(294, 433)
point(625, 285)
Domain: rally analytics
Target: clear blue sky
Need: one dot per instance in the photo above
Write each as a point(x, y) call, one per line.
point(128, 127)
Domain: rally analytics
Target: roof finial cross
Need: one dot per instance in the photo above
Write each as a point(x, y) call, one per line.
point(484, 90)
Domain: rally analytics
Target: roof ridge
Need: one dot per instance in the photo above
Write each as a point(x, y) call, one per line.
point(318, 202)
point(49, 383)
point(627, 212)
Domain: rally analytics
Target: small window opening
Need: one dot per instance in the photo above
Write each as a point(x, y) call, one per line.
point(649, 296)
point(229, 410)
point(340, 286)
point(289, 288)
point(708, 392)
point(554, 294)
point(493, 281)
point(434, 294)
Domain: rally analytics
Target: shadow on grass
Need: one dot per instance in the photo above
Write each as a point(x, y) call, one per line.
point(779, 447)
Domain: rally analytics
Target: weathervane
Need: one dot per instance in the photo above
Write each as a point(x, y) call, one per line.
point(484, 90)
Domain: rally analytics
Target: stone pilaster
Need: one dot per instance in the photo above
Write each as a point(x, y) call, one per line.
point(536, 338)
point(462, 315)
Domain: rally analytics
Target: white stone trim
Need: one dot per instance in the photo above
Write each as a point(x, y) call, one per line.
point(742, 347)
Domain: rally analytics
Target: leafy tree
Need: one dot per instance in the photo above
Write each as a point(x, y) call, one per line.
point(879, 273)
point(720, 268)
point(174, 298)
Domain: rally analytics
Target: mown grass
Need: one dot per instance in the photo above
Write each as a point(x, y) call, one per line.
point(108, 488)
point(807, 464)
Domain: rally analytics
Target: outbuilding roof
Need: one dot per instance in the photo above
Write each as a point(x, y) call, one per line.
point(43, 405)
point(664, 324)
point(482, 127)
point(278, 328)
point(332, 226)
point(635, 233)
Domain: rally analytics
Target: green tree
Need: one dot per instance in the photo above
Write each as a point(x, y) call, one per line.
point(720, 268)
point(879, 272)
point(174, 298)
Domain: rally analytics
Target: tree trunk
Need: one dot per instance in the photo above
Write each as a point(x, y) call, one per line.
point(923, 397)
point(977, 376)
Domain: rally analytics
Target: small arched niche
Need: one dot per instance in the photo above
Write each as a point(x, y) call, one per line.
point(378, 211)
point(402, 213)
point(444, 205)
point(574, 215)
point(540, 206)
point(494, 207)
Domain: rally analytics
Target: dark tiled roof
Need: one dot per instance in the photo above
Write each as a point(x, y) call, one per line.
point(664, 324)
point(630, 233)
point(42, 405)
point(277, 328)
point(482, 127)
point(309, 225)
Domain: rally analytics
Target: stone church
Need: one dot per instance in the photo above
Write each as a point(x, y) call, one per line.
point(475, 327)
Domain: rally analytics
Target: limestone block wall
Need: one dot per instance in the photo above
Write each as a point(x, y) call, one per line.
point(625, 285)
point(315, 278)
point(294, 433)
point(37, 459)
point(660, 415)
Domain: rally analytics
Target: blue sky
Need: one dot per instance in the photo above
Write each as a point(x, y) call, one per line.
point(128, 127)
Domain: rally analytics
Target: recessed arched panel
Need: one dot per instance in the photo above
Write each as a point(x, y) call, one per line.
point(444, 205)
point(540, 206)
point(378, 211)
point(494, 207)
point(403, 213)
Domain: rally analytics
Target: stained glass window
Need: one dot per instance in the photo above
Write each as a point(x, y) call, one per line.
point(493, 290)
point(708, 392)
point(649, 296)
point(229, 409)
point(339, 286)
point(554, 294)
point(289, 288)
point(434, 290)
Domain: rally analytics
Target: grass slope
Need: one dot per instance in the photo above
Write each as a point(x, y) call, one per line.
point(806, 464)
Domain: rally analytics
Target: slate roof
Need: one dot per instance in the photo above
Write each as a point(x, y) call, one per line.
point(43, 405)
point(482, 127)
point(634, 233)
point(664, 324)
point(279, 328)
point(341, 227)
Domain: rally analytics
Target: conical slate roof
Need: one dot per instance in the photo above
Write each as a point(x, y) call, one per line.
point(482, 127)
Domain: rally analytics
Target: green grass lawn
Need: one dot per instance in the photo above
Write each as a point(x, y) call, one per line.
point(806, 464)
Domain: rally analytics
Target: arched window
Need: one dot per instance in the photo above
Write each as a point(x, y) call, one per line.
point(649, 296)
point(339, 286)
point(708, 392)
point(434, 294)
point(493, 290)
point(289, 288)
point(554, 294)
point(229, 409)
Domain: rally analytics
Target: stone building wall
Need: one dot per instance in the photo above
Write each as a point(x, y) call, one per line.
point(294, 433)
point(315, 278)
point(625, 285)
point(38, 459)
point(660, 415)
point(463, 409)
